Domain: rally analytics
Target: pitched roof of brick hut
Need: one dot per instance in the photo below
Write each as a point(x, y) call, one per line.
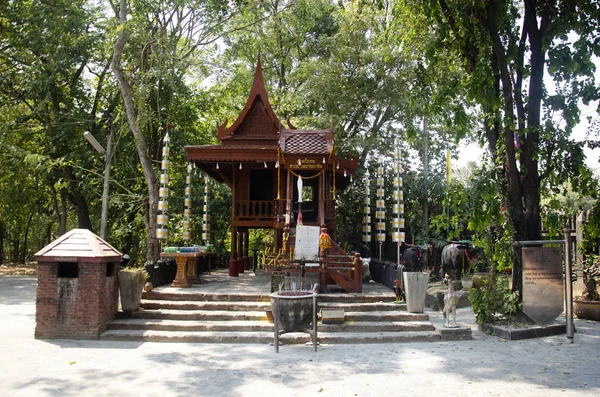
point(78, 245)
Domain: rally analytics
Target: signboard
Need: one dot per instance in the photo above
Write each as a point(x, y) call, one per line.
point(307, 164)
point(307, 243)
point(543, 298)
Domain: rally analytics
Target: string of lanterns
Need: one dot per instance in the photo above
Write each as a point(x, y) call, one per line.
point(162, 219)
point(366, 237)
point(398, 235)
point(380, 205)
point(205, 216)
point(187, 209)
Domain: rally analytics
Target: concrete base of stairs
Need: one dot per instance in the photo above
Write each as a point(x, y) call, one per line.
point(226, 309)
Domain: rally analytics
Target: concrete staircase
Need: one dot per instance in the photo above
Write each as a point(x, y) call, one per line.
point(241, 318)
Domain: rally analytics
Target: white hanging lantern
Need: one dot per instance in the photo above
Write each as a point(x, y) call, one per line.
point(162, 233)
point(163, 205)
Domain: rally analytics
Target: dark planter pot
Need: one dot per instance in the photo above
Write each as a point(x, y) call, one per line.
point(131, 287)
point(588, 310)
point(293, 312)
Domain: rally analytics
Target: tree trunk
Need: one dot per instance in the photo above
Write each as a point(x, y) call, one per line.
point(152, 246)
point(425, 179)
point(23, 256)
point(2, 234)
point(83, 213)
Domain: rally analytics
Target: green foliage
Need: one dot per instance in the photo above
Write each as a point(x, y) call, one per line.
point(495, 303)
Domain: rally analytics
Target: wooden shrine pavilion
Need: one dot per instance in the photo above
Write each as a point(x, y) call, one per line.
point(261, 161)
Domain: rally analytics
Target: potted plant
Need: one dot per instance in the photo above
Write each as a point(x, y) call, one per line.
point(467, 280)
point(481, 272)
point(587, 306)
point(131, 287)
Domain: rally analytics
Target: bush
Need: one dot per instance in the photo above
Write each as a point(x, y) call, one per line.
point(495, 303)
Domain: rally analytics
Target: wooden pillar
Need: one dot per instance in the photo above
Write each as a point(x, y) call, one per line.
point(289, 197)
point(246, 248)
point(240, 251)
point(233, 266)
point(322, 197)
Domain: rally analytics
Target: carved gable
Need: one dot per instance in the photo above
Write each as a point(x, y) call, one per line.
point(257, 122)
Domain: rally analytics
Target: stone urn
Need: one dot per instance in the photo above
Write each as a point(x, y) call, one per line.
point(131, 287)
point(293, 310)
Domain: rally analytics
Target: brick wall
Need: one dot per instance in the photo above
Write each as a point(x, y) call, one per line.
point(78, 307)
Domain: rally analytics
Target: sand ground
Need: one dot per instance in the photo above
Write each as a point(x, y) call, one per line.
point(485, 366)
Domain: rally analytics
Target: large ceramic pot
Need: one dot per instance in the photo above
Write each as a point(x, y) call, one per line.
point(479, 280)
point(588, 310)
point(131, 287)
point(293, 310)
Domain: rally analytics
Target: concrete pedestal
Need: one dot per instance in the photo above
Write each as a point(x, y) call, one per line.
point(180, 280)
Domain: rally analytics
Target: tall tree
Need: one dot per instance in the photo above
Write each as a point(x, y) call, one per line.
point(47, 50)
point(506, 48)
point(152, 53)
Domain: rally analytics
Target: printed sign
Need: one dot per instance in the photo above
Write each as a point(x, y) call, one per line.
point(307, 243)
point(543, 298)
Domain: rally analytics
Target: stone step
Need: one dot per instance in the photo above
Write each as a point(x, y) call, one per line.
point(227, 315)
point(237, 297)
point(150, 304)
point(263, 337)
point(205, 305)
point(253, 326)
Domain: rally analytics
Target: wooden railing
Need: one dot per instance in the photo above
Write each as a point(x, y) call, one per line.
point(260, 210)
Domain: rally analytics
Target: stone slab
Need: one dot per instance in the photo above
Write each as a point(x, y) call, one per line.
point(332, 316)
point(510, 333)
point(460, 333)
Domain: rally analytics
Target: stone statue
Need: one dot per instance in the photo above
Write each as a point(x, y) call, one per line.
point(450, 300)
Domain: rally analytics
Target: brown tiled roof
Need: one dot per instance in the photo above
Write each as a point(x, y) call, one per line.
point(302, 142)
point(78, 245)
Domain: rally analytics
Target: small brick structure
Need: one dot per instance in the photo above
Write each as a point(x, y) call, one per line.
point(77, 291)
